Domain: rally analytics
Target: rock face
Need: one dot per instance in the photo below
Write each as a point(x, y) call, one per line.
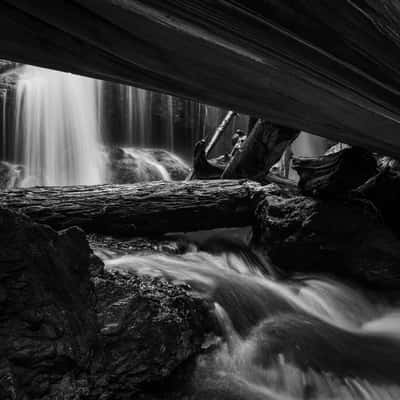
point(345, 239)
point(71, 330)
point(48, 324)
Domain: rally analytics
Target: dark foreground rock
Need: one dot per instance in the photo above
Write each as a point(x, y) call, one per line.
point(71, 330)
point(336, 173)
point(48, 323)
point(347, 239)
point(383, 191)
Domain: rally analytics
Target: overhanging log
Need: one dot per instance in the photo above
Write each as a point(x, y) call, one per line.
point(327, 68)
point(139, 209)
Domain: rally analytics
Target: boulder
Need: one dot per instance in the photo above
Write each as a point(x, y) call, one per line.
point(346, 239)
point(131, 165)
point(148, 328)
point(11, 175)
point(336, 173)
point(175, 166)
point(47, 321)
point(69, 329)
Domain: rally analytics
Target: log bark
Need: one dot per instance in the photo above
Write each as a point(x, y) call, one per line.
point(335, 174)
point(331, 71)
point(138, 209)
point(262, 149)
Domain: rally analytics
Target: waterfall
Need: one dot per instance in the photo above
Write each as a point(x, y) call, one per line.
point(137, 108)
point(59, 125)
point(4, 127)
point(57, 134)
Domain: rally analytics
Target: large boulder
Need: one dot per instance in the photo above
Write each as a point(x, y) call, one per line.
point(47, 321)
point(69, 329)
point(347, 239)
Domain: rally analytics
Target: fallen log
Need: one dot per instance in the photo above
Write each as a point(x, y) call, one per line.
point(262, 149)
point(138, 209)
point(335, 174)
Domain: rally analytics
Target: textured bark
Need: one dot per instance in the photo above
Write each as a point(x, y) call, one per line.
point(69, 329)
point(335, 174)
point(348, 240)
point(262, 149)
point(327, 69)
point(148, 208)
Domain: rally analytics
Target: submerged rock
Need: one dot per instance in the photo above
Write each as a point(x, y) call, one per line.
point(71, 330)
point(347, 239)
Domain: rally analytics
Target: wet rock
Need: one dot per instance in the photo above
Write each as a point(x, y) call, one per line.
point(47, 318)
point(175, 166)
point(11, 175)
point(69, 329)
point(336, 173)
point(347, 239)
point(148, 328)
point(131, 165)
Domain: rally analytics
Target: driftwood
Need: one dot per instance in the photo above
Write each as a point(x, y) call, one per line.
point(262, 149)
point(335, 174)
point(204, 168)
point(148, 208)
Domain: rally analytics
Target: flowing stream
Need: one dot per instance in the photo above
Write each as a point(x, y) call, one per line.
point(307, 337)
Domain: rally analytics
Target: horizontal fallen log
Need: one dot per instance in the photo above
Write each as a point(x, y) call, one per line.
point(138, 209)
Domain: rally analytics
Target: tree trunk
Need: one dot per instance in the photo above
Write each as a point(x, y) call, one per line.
point(139, 209)
point(262, 149)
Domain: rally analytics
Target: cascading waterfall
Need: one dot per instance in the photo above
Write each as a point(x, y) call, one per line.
point(4, 127)
point(305, 338)
point(57, 130)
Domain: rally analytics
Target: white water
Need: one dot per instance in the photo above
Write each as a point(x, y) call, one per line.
point(148, 168)
point(304, 338)
point(4, 127)
point(57, 128)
